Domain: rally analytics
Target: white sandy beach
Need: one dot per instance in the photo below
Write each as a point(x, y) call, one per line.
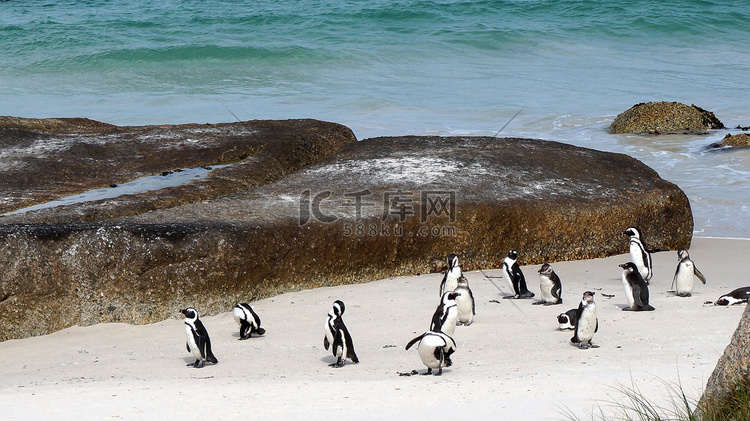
point(512, 363)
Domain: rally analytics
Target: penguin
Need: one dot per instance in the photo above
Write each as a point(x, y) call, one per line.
point(738, 296)
point(515, 278)
point(465, 302)
point(684, 276)
point(446, 315)
point(435, 350)
point(550, 285)
point(587, 323)
point(639, 254)
point(568, 319)
point(337, 336)
point(450, 279)
point(636, 288)
point(248, 320)
point(198, 342)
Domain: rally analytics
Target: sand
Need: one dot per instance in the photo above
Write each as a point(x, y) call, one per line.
point(512, 363)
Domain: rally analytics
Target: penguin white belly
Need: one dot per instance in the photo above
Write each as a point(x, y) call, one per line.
point(450, 321)
point(628, 291)
point(508, 277)
point(636, 256)
point(239, 315)
point(684, 279)
point(451, 280)
point(587, 324)
point(545, 286)
point(191, 343)
point(464, 304)
point(426, 350)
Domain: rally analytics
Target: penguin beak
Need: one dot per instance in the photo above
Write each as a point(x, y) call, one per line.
point(623, 265)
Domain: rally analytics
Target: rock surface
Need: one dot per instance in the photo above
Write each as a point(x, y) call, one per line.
point(741, 140)
point(733, 366)
point(44, 159)
point(664, 118)
point(377, 208)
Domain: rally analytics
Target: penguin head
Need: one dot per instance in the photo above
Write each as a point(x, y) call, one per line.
point(632, 232)
point(588, 296)
point(546, 269)
point(722, 301)
point(563, 318)
point(452, 260)
point(338, 308)
point(682, 254)
point(629, 266)
point(463, 281)
point(190, 313)
point(513, 254)
point(450, 296)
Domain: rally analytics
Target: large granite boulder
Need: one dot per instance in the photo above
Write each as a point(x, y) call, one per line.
point(44, 159)
point(664, 118)
point(377, 208)
point(741, 140)
point(732, 368)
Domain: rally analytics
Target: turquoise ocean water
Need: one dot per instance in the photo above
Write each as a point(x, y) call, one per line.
point(388, 67)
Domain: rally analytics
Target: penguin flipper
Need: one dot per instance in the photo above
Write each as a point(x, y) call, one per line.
point(699, 274)
point(596, 329)
point(326, 344)
point(413, 341)
point(442, 283)
point(473, 304)
point(209, 356)
point(637, 295)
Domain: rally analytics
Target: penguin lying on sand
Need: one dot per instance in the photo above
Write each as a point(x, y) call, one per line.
point(198, 342)
point(568, 319)
point(248, 320)
point(738, 296)
point(684, 276)
point(337, 336)
point(435, 349)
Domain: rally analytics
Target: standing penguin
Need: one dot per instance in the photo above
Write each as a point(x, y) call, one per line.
point(684, 276)
point(465, 302)
point(446, 315)
point(450, 279)
point(515, 278)
point(248, 320)
point(550, 285)
point(639, 254)
point(198, 342)
point(435, 349)
point(567, 320)
point(636, 288)
point(587, 324)
point(337, 336)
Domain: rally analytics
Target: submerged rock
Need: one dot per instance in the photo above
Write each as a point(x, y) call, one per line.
point(741, 140)
point(376, 208)
point(664, 118)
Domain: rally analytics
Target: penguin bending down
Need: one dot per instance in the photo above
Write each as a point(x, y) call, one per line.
point(446, 315)
point(587, 323)
point(639, 254)
point(450, 279)
point(568, 319)
point(435, 349)
point(464, 302)
point(684, 276)
point(550, 285)
point(515, 278)
point(337, 336)
point(636, 289)
point(198, 342)
point(738, 296)
point(248, 320)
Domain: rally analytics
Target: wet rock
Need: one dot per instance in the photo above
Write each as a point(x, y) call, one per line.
point(741, 140)
point(45, 159)
point(664, 118)
point(377, 208)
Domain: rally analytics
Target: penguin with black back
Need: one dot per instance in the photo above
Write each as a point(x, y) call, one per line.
point(198, 342)
point(450, 278)
point(515, 278)
point(636, 288)
point(337, 336)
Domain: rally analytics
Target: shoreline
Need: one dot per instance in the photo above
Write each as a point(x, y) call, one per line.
point(512, 362)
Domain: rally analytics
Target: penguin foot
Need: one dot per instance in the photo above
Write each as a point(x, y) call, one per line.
point(469, 323)
point(594, 346)
point(527, 294)
point(536, 303)
point(510, 297)
point(428, 372)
